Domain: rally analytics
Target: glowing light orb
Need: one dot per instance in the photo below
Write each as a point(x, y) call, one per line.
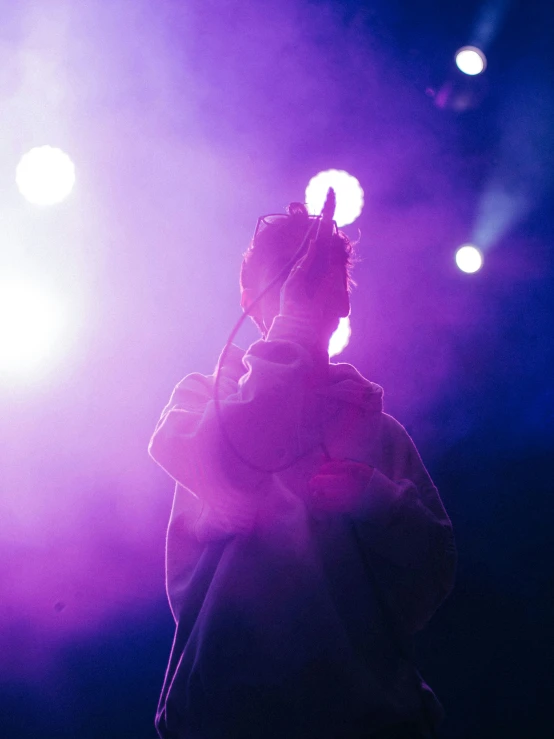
point(350, 196)
point(31, 322)
point(471, 60)
point(341, 337)
point(469, 258)
point(45, 175)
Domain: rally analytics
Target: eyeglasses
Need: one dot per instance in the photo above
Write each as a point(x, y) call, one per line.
point(273, 219)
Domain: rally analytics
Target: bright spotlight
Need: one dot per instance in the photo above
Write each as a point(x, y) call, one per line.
point(471, 60)
point(341, 337)
point(469, 258)
point(45, 175)
point(350, 196)
point(31, 322)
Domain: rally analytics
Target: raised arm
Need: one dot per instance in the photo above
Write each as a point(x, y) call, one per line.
point(261, 402)
point(261, 407)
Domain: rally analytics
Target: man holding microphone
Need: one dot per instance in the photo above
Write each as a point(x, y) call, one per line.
point(307, 542)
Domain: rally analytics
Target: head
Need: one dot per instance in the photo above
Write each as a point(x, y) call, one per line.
point(275, 243)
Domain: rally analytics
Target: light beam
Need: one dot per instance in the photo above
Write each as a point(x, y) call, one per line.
point(471, 60)
point(350, 196)
point(469, 259)
point(340, 339)
point(45, 175)
point(31, 322)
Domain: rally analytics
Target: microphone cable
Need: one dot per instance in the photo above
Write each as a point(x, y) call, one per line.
point(324, 219)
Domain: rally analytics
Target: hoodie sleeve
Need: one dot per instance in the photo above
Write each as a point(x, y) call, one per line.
point(406, 533)
point(260, 411)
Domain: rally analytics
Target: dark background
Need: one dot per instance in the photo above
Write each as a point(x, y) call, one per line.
point(186, 121)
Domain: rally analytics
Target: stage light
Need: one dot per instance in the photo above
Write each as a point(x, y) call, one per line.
point(350, 196)
point(31, 322)
point(469, 258)
point(341, 337)
point(471, 60)
point(45, 175)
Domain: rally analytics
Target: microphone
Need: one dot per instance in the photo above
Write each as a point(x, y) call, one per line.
point(325, 228)
point(323, 241)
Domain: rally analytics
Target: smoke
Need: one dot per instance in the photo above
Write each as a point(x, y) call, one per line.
point(186, 121)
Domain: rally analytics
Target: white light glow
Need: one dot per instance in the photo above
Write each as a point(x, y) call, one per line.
point(341, 337)
point(350, 196)
point(469, 258)
point(471, 60)
point(31, 323)
point(45, 175)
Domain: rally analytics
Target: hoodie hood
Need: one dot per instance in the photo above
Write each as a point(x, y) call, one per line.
point(346, 384)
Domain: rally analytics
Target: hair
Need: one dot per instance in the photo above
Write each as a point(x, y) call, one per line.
point(277, 240)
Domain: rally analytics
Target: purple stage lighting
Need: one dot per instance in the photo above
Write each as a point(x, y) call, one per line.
point(350, 196)
point(45, 175)
point(31, 322)
point(469, 259)
point(471, 60)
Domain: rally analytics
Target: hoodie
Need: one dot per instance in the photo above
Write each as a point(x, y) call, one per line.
point(292, 622)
